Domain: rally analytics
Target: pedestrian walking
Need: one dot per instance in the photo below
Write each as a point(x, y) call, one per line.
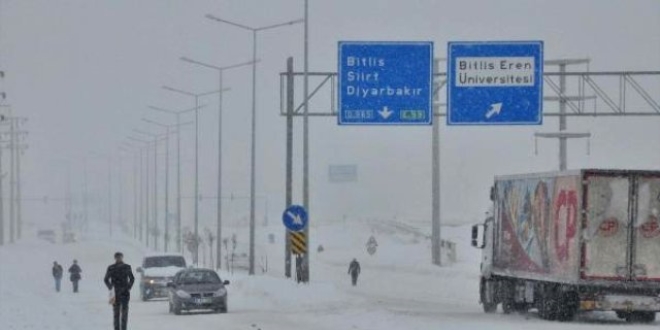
point(119, 277)
point(58, 272)
point(75, 276)
point(354, 271)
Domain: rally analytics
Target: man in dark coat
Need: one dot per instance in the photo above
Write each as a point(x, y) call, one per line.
point(75, 271)
point(119, 277)
point(58, 272)
point(354, 270)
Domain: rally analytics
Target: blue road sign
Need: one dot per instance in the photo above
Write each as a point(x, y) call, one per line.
point(295, 218)
point(495, 83)
point(385, 83)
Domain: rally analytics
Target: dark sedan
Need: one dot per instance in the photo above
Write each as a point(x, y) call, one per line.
point(197, 289)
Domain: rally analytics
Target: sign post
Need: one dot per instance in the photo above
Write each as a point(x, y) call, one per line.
point(495, 83)
point(295, 220)
point(385, 83)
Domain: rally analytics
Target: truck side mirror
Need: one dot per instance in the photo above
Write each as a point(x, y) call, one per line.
point(477, 242)
point(139, 270)
point(492, 193)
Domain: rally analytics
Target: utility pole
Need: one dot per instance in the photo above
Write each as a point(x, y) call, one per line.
point(120, 194)
point(167, 172)
point(156, 230)
point(19, 204)
point(15, 149)
point(167, 188)
point(147, 230)
point(110, 194)
point(145, 203)
point(306, 141)
point(436, 239)
point(132, 177)
point(141, 197)
point(253, 121)
point(179, 246)
point(12, 181)
point(2, 207)
point(196, 96)
point(85, 196)
point(289, 161)
point(68, 202)
point(220, 71)
point(563, 136)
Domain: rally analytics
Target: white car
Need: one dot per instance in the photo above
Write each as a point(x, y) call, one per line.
point(156, 271)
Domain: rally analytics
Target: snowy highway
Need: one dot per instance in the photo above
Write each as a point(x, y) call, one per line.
point(409, 164)
point(398, 290)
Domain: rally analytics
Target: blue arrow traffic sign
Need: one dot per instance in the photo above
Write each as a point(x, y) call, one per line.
point(385, 83)
point(495, 83)
point(295, 218)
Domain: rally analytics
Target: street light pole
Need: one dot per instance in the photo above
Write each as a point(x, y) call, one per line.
point(110, 193)
point(155, 183)
point(196, 96)
point(130, 148)
point(179, 247)
point(167, 174)
point(155, 200)
point(306, 140)
point(145, 204)
point(254, 31)
point(219, 184)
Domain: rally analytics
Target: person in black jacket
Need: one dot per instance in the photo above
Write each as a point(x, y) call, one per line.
point(119, 277)
point(58, 272)
point(354, 271)
point(75, 271)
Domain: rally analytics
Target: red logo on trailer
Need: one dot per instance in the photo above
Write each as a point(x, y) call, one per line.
point(566, 205)
point(650, 228)
point(609, 227)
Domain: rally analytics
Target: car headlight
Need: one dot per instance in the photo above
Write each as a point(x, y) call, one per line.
point(220, 293)
point(182, 294)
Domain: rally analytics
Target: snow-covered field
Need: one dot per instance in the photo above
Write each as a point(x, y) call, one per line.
point(398, 288)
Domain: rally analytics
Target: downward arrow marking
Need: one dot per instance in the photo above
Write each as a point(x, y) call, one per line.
point(385, 113)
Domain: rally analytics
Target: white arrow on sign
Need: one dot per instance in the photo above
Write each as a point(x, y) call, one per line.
point(385, 113)
point(296, 219)
point(495, 109)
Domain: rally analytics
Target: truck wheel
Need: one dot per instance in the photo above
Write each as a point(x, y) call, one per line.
point(568, 305)
point(548, 304)
point(648, 317)
point(640, 317)
point(489, 307)
point(508, 306)
point(507, 292)
point(176, 309)
point(521, 307)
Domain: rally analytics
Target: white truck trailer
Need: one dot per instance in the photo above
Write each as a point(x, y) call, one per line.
point(583, 240)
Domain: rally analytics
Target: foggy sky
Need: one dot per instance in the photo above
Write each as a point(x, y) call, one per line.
point(83, 72)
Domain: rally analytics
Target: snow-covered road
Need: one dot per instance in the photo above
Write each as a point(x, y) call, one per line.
point(397, 290)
